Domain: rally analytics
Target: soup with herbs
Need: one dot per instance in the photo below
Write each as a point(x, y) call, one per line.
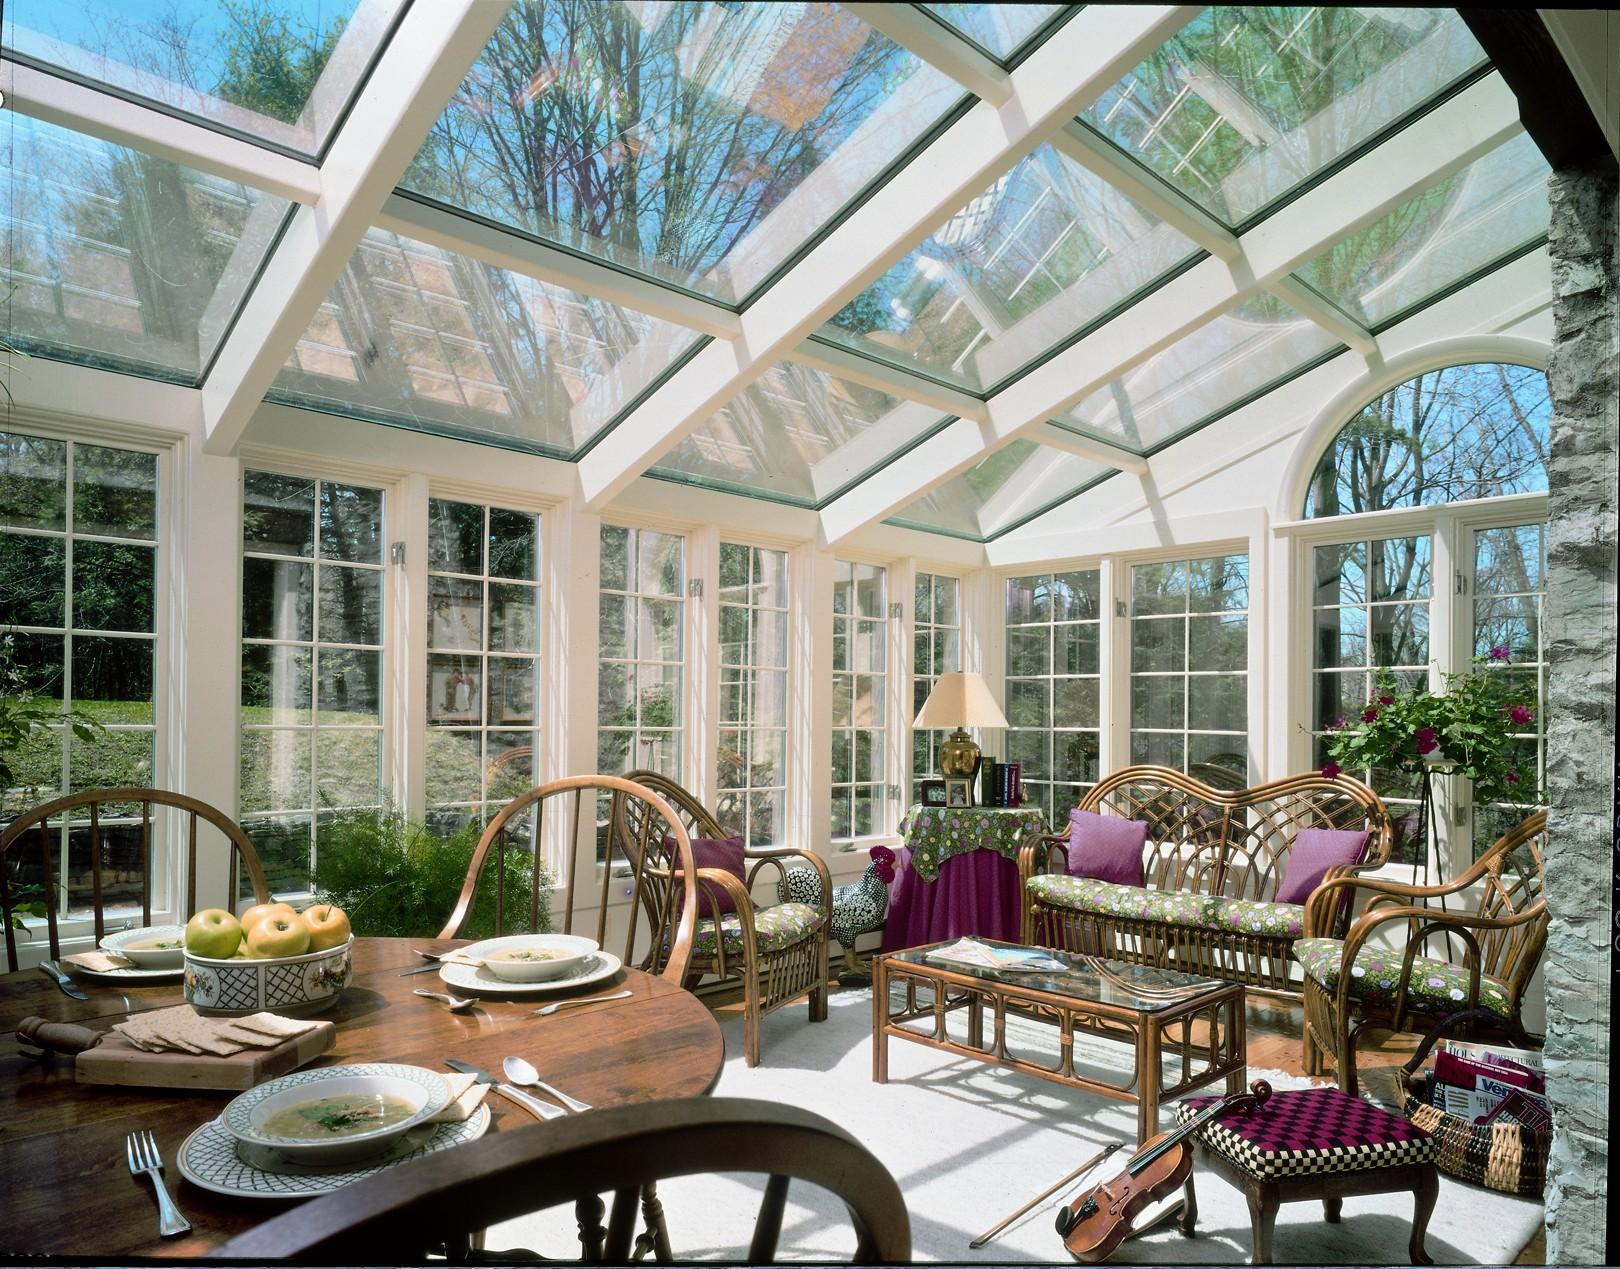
point(155, 945)
point(330, 1117)
point(526, 955)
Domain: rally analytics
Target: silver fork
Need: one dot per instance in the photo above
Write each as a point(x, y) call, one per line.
point(144, 1159)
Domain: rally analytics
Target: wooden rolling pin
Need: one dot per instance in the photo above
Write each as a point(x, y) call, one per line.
point(58, 1037)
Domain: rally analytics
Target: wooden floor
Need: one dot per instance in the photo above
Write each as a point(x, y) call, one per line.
point(1274, 1044)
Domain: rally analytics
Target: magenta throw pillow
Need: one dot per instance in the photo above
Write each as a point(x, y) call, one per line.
point(714, 852)
point(1106, 847)
point(1315, 850)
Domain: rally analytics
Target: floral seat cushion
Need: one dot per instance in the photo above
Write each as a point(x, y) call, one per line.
point(1202, 911)
point(774, 928)
point(1432, 985)
point(1252, 916)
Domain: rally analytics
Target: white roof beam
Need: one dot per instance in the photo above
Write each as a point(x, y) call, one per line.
point(842, 364)
point(424, 63)
point(944, 50)
point(1328, 316)
point(1085, 56)
point(1055, 437)
point(110, 118)
point(1443, 142)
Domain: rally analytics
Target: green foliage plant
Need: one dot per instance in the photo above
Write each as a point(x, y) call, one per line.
point(396, 879)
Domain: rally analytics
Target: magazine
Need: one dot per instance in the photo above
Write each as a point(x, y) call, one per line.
point(969, 951)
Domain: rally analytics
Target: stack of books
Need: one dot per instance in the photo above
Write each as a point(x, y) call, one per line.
point(971, 952)
point(1001, 783)
point(1485, 1085)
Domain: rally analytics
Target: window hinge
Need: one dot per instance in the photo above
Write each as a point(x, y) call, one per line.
point(893, 791)
point(897, 612)
point(1462, 582)
point(694, 587)
point(1119, 608)
point(396, 553)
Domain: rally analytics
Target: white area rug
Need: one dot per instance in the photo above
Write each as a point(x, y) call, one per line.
point(968, 1143)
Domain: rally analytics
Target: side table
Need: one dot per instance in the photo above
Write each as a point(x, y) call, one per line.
point(957, 874)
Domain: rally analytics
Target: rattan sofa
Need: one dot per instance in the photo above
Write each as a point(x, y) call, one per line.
point(1212, 864)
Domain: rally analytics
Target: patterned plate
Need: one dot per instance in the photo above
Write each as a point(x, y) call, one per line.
point(238, 1116)
point(214, 1160)
point(593, 969)
point(135, 973)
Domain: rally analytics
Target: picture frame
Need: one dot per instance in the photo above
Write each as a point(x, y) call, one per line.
point(958, 793)
point(931, 792)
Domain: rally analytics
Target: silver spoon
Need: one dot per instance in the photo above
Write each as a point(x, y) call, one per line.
point(455, 1002)
point(521, 1072)
point(584, 1000)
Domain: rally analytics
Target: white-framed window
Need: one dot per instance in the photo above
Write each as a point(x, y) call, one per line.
point(640, 704)
point(751, 757)
point(313, 632)
point(936, 650)
point(1052, 683)
point(860, 798)
point(483, 659)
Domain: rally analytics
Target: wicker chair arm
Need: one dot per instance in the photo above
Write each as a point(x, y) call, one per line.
point(744, 903)
point(1036, 854)
point(1321, 907)
point(776, 855)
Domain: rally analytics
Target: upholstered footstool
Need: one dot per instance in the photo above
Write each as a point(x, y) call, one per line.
point(1315, 1143)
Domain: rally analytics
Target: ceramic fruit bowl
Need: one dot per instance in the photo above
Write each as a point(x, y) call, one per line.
point(534, 958)
point(336, 1113)
point(293, 985)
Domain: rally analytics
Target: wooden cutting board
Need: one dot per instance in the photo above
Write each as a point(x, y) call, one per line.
point(109, 1058)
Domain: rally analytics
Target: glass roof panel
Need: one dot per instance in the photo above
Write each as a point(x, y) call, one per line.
point(121, 259)
point(1033, 260)
point(1244, 104)
point(281, 71)
point(798, 435)
point(1493, 207)
point(999, 29)
point(700, 144)
point(430, 339)
point(1019, 480)
point(1202, 374)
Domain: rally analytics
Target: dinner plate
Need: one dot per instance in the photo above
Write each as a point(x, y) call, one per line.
point(593, 969)
point(135, 973)
point(214, 1160)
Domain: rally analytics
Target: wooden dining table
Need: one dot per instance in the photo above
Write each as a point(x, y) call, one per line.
point(68, 1190)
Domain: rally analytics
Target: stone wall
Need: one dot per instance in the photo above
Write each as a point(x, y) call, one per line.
point(1580, 633)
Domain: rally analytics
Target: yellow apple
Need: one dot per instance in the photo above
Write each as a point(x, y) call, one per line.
point(213, 933)
point(259, 911)
point(278, 935)
point(328, 926)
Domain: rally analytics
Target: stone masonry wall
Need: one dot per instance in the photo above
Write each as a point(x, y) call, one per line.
point(1580, 633)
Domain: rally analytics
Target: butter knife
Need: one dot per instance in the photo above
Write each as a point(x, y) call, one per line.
point(62, 980)
point(430, 967)
point(542, 1110)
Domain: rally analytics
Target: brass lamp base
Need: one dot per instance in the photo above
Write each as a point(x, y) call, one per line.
point(958, 756)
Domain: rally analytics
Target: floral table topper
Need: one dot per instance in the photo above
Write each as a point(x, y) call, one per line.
point(937, 833)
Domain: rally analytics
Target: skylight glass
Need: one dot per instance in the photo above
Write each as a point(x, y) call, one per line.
point(1492, 208)
point(798, 435)
point(1221, 363)
point(281, 71)
point(999, 29)
point(1042, 253)
point(698, 143)
point(1244, 104)
point(121, 259)
point(415, 335)
point(1017, 481)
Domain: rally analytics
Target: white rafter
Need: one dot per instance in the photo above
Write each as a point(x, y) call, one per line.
point(1444, 141)
point(1055, 437)
point(1092, 51)
point(423, 64)
point(939, 46)
point(840, 363)
point(1332, 319)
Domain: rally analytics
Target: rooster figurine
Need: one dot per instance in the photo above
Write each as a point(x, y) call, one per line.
point(857, 909)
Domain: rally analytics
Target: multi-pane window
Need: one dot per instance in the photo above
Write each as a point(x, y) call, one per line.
point(937, 649)
point(483, 658)
point(1052, 632)
point(752, 759)
point(312, 656)
point(78, 615)
point(1189, 666)
point(1371, 614)
point(639, 720)
point(859, 691)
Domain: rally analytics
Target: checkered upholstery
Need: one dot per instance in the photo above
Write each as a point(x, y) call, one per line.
point(1311, 1130)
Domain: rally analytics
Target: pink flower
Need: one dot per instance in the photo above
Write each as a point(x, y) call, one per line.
point(1330, 770)
point(1512, 777)
point(1386, 700)
point(1341, 724)
point(1370, 714)
point(1500, 652)
point(1427, 744)
point(1521, 714)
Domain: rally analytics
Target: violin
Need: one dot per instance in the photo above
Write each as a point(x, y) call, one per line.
point(1098, 1220)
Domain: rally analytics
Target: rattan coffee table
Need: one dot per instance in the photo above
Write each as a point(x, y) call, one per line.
point(1185, 1031)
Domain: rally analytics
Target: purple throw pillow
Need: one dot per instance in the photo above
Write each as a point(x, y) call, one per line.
point(1106, 847)
point(1315, 850)
point(713, 852)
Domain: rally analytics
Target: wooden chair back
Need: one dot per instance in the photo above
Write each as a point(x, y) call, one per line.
point(397, 1215)
point(1234, 842)
point(87, 813)
point(661, 865)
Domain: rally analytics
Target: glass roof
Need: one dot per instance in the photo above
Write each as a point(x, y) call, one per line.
point(1492, 208)
point(1245, 104)
point(700, 144)
point(279, 71)
point(415, 335)
point(1018, 481)
point(121, 259)
point(1030, 262)
point(999, 29)
point(797, 435)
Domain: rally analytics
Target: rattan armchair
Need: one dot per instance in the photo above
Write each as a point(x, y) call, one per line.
point(777, 952)
point(1358, 982)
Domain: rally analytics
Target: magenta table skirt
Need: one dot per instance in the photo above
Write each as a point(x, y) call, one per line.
point(975, 893)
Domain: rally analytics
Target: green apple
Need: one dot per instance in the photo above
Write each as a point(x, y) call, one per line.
point(259, 911)
point(276, 936)
point(214, 933)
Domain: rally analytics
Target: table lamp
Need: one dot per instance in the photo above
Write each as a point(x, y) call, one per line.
point(961, 700)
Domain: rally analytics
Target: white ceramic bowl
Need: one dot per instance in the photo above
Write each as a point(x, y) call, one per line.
point(563, 953)
point(126, 943)
point(245, 1117)
point(285, 984)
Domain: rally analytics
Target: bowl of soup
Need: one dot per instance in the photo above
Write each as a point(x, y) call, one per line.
point(534, 958)
point(336, 1113)
point(150, 947)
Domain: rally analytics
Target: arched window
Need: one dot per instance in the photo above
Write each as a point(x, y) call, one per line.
point(1461, 432)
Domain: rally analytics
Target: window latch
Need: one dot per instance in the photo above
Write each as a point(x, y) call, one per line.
point(1462, 582)
point(396, 553)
